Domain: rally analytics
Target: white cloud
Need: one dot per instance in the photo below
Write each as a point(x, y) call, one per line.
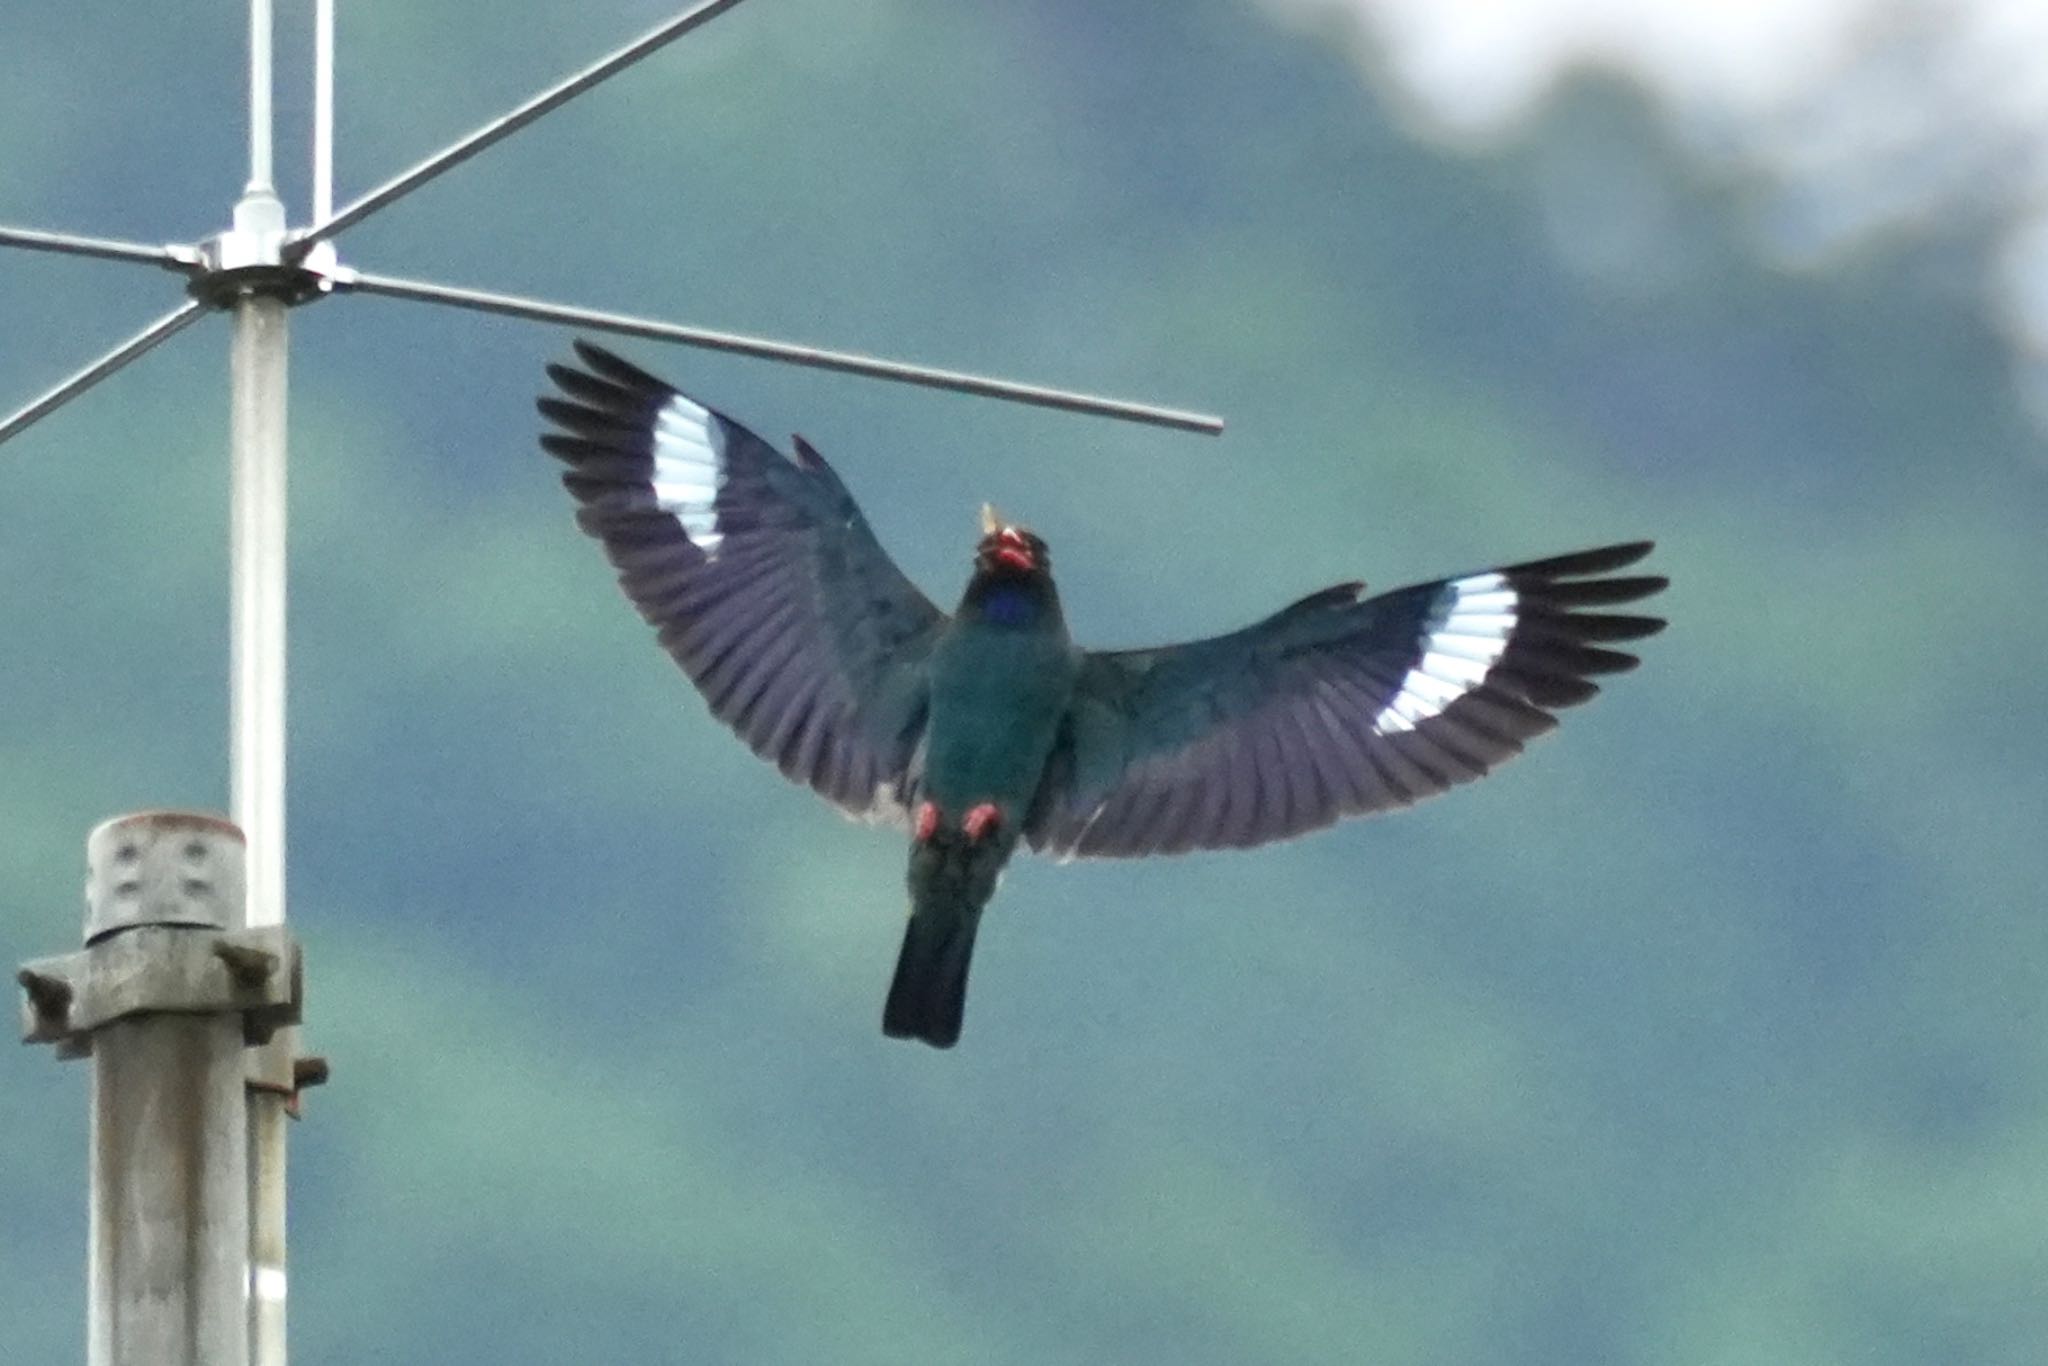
point(1893, 116)
point(1481, 63)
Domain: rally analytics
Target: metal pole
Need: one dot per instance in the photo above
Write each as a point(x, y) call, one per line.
point(168, 1230)
point(322, 257)
point(257, 376)
point(260, 47)
point(257, 381)
point(849, 362)
point(164, 328)
point(323, 110)
point(268, 1130)
point(504, 126)
point(257, 752)
point(106, 248)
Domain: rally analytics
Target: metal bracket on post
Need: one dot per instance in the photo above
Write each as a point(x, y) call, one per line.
point(188, 969)
point(162, 890)
point(277, 1066)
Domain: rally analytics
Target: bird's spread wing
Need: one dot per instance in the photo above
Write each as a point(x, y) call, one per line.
point(1334, 707)
point(761, 575)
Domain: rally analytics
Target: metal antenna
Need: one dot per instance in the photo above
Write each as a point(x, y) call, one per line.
point(187, 993)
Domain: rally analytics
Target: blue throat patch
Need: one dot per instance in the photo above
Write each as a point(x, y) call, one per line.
point(1008, 605)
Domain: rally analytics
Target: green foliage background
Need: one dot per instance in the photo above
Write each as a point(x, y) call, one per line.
point(1709, 1033)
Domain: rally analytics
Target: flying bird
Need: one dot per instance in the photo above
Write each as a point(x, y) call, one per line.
point(988, 728)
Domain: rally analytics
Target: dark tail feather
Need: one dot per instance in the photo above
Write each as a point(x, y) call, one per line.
point(929, 994)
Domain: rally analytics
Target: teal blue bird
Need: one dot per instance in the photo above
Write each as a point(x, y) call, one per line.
point(987, 729)
point(1000, 680)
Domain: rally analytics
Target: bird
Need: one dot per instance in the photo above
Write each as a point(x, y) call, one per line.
point(986, 729)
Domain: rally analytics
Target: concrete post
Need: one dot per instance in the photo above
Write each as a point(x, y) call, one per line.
point(166, 998)
point(169, 1241)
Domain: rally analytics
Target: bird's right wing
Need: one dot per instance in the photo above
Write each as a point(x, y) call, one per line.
point(1334, 707)
point(761, 575)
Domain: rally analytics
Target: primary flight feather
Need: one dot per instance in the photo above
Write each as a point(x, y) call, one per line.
point(988, 727)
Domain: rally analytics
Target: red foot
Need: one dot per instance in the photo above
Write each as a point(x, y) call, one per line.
point(927, 821)
point(980, 821)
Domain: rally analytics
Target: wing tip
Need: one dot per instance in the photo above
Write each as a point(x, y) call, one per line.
point(601, 373)
point(1604, 559)
point(600, 360)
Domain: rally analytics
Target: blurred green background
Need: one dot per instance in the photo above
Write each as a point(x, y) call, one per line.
point(1711, 1032)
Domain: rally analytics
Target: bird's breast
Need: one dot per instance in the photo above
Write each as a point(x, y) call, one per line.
point(996, 701)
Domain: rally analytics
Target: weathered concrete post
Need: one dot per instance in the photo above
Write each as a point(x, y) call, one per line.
point(165, 997)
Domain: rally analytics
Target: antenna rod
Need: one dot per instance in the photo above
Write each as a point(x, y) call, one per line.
point(506, 125)
point(260, 45)
point(106, 248)
point(849, 362)
point(149, 337)
point(323, 110)
point(321, 255)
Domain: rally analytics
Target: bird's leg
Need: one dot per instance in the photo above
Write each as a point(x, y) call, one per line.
point(980, 820)
point(927, 821)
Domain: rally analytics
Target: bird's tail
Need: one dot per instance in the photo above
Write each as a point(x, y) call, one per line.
point(951, 878)
point(929, 994)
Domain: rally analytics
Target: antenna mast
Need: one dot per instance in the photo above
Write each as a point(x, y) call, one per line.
point(187, 993)
point(258, 359)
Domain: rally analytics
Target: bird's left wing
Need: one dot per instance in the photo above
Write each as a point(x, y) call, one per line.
point(761, 575)
point(1333, 707)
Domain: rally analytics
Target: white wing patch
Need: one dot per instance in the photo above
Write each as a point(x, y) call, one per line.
point(1468, 639)
point(689, 469)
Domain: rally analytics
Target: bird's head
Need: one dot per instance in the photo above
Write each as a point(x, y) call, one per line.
point(1007, 549)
